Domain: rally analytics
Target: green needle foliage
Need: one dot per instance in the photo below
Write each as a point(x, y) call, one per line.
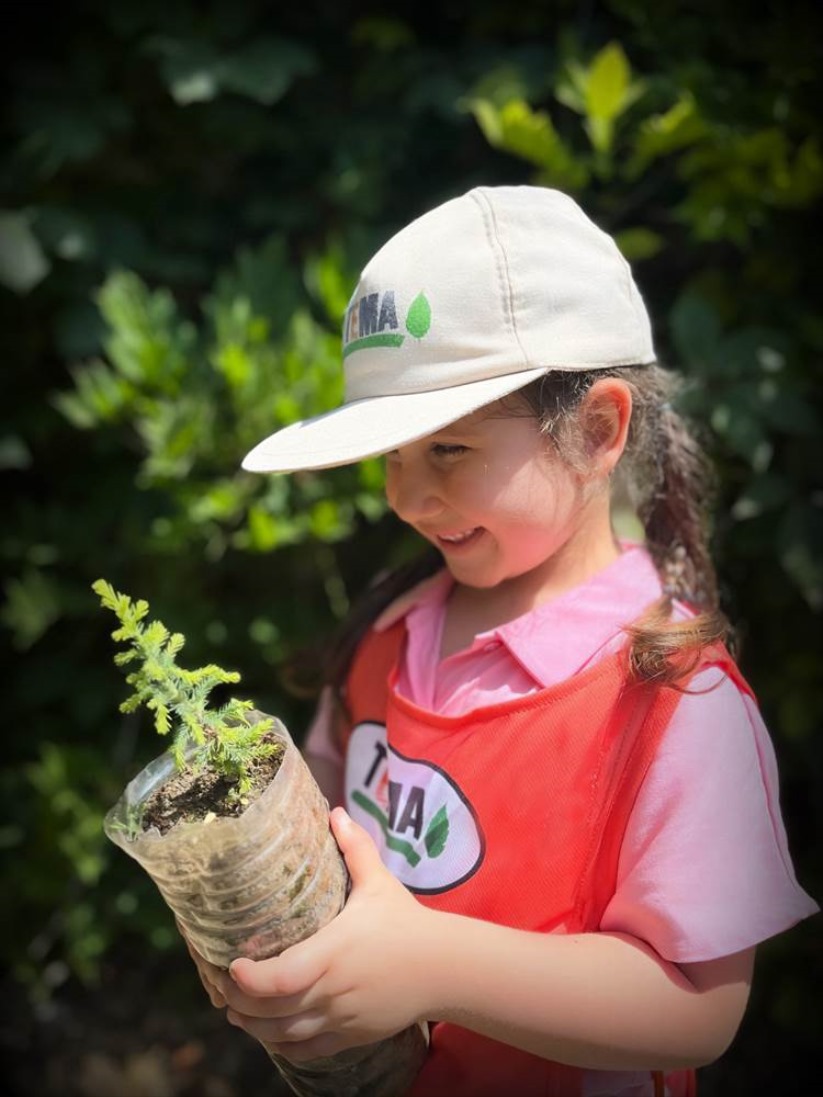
point(222, 739)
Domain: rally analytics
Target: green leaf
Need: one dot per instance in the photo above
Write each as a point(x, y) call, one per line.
point(31, 607)
point(261, 283)
point(263, 530)
point(189, 69)
point(517, 128)
point(162, 721)
point(100, 396)
point(638, 243)
point(23, 264)
point(437, 833)
point(327, 278)
point(571, 88)
point(236, 365)
point(149, 343)
point(419, 316)
point(662, 134)
point(602, 92)
point(327, 521)
point(607, 83)
point(487, 116)
point(265, 69)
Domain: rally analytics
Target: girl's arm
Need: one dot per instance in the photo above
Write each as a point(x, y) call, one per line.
point(597, 1000)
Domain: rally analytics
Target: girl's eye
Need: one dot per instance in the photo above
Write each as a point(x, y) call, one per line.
point(443, 449)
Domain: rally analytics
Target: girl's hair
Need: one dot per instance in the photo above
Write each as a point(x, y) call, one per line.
point(663, 476)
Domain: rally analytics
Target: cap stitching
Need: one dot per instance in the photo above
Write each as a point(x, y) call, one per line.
point(501, 264)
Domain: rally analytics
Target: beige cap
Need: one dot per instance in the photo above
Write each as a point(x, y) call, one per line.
point(468, 303)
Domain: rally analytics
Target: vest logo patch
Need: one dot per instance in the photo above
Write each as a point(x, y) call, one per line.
point(371, 321)
point(422, 823)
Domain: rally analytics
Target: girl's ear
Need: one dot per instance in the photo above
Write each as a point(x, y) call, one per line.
point(606, 412)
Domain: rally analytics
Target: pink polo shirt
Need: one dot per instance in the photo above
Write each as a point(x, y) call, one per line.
point(705, 869)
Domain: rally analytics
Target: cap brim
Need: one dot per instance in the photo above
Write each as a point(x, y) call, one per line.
point(376, 425)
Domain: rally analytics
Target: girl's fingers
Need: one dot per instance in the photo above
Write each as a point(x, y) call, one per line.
point(209, 975)
point(291, 974)
point(269, 1007)
point(212, 989)
point(281, 1030)
point(254, 988)
point(356, 845)
point(203, 966)
point(215, 997)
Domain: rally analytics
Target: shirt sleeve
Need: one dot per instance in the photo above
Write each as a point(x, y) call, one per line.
point(704, 869)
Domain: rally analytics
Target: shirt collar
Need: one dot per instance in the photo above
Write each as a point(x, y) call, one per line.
point(558, 638)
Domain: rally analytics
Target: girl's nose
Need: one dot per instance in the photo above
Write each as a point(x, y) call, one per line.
point(411, 494)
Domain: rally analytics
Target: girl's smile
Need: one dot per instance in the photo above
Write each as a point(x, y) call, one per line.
point(504, 510)
point(458, 540)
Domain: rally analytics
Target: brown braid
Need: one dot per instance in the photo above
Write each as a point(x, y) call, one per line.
point(673, 506)
point(666, 477)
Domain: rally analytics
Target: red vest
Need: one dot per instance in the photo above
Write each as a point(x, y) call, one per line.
point(513, 814)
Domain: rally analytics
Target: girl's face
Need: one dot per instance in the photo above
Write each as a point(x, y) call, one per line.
point(491, 493)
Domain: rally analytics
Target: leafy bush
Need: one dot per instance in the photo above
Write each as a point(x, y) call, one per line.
point(188, 197)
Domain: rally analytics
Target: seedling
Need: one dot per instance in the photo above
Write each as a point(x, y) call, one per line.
point(223, 739)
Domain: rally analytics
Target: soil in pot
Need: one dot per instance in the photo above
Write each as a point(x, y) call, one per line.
point(191, 796)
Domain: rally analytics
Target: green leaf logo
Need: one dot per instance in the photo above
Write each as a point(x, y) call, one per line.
point(419, 317)
point(437, 833)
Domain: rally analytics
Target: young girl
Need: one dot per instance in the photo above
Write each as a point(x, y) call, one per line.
point(562, 821)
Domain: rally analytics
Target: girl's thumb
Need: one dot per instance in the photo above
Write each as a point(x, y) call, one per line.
point(360, 852)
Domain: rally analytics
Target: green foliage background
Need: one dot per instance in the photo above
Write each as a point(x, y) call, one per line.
point(188, 194)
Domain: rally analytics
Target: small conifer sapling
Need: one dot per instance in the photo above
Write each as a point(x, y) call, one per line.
point(223, 739)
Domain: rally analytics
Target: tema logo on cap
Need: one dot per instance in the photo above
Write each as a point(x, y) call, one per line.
point(422, 823)
point(371, 321)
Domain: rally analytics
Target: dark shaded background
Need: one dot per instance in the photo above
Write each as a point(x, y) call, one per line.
point(188, 191)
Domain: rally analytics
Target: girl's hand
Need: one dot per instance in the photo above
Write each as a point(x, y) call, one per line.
point(208, 972)
point(359, 979)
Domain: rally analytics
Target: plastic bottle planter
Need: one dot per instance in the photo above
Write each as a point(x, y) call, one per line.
point(254, 884)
